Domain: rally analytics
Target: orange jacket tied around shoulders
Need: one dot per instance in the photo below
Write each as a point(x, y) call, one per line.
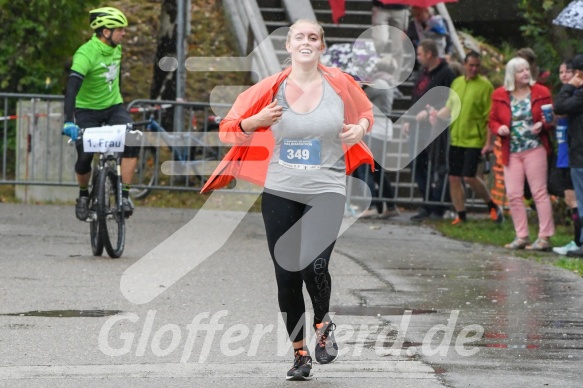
point(249, 158)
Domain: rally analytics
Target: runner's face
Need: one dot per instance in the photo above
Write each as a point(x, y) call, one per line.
point(565, 74)
point(305, 44)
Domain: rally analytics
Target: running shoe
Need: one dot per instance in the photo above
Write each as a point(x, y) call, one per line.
point(326, 346)
point(302, 368)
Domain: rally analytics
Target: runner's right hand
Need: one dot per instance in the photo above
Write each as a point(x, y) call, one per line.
point(71, 130)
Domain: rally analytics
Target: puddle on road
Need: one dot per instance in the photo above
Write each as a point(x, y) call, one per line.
point(66, 313)
point(362, 310)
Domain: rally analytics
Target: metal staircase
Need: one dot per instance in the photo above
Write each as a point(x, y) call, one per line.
point(351, 26)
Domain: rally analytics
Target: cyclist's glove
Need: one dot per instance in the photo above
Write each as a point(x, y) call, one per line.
point(71, 130)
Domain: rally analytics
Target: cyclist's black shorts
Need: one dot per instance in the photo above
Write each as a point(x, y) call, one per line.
point(89, 118)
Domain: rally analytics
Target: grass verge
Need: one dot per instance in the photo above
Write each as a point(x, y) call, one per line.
point(484, 231)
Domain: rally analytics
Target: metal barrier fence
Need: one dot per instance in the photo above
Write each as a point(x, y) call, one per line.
point(34, 153)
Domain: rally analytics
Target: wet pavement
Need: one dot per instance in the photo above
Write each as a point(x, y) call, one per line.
point(531, 313)
point(413, 309)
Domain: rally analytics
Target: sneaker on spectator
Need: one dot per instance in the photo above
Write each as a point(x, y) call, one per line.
point(394, 212)
point(497, 215)
point(370, 213)
point(578, 253)
point(572, 246)
point(423, 214)
point(457, 221)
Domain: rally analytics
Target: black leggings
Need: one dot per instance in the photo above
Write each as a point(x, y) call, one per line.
point(301, 233)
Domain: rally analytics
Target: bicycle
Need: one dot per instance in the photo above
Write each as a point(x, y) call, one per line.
point(106, 215)
point(189, 149)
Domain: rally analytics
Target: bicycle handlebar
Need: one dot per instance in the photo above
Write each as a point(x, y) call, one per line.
point(130, 131)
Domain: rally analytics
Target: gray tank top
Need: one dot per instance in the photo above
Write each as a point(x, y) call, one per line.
point(308, 157)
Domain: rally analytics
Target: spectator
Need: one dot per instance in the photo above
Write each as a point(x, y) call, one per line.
point(470, 139)
point(540, 76)
point(516, 117)
point(385, 16)
point(570, 102)
point(381, 93)
point(563, 170)
point(426, 25)
point(435, 72)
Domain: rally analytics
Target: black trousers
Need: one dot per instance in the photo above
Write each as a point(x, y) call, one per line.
point(301, 233)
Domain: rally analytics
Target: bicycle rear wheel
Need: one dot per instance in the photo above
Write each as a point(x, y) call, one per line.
point(146, 173)
point(109, 214)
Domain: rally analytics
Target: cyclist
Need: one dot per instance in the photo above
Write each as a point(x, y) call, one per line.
point(93, 98)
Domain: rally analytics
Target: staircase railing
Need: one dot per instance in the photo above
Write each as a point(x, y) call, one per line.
point(455, 40)
point(298, 9)
point(252, 37)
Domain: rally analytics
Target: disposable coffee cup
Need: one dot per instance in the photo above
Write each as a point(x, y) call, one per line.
point(548, 112)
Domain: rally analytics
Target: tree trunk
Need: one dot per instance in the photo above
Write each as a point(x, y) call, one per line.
point(164, 82)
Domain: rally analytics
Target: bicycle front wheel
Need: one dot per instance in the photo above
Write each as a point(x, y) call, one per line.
point(109, 213)
point(96, 242)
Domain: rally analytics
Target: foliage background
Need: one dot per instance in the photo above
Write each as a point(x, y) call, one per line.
point(35, 38)
point(39, 37)
point(551, 43)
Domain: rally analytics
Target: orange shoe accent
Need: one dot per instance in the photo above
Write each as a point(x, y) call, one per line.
point(493, 214)
point(457, 221)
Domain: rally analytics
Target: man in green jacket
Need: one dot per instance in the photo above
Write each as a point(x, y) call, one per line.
point(469, 136)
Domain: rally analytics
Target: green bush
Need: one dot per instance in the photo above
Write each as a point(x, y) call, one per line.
point(551, 43)
point(36, 38)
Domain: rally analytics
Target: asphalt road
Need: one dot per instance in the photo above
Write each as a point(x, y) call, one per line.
point(191, 303)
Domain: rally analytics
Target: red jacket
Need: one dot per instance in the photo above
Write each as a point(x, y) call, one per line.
point(502, 115)
point(249, 158)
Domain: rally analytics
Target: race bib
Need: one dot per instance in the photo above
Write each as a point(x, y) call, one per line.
point(303, 154)
point(103, 139)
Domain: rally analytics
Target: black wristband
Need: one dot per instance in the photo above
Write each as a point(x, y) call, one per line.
point(241, 126)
